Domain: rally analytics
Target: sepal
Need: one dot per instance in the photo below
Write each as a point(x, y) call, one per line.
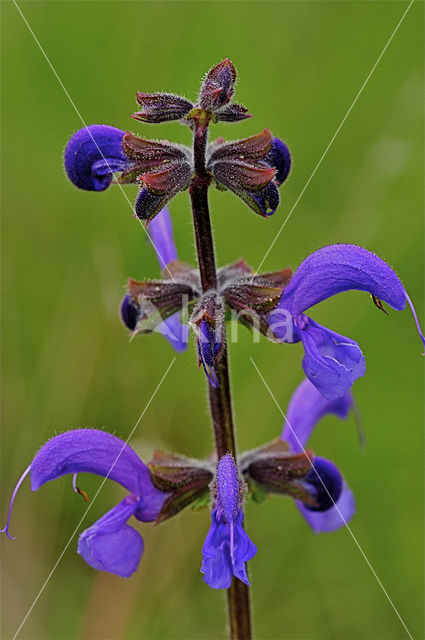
point(185, 479)
point(252, 168)
point(253, 148)
point(151, 301)
point(161, 107)
point(232, 113)
point(278, 470)
point(161, 168)
point(258, 297)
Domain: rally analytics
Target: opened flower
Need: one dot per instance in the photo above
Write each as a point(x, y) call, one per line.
point(335, 501)
point(156, 305)
point(333, 362)
point(161, 234)
point(110, 544)
point(227, 546)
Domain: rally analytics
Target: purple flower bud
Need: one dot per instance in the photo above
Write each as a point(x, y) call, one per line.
point(207, 320)
point(218, 86)
point(252, 168)
point(93, 154)
point(130, 312)
point(279, 157)
point(161, 107)
point(208, 343)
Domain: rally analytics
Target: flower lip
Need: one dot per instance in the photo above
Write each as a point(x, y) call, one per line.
point(110, 544)
point(93, 154)
point(338, 268)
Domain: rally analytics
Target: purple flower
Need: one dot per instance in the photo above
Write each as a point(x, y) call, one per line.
point(93, 154)
point(161, 234)
point(162, 169)
point(110, 544)
point(335, 501)
point(227, 546)
point(333, 362)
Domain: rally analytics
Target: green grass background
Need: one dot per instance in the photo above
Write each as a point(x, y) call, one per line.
point(67, 360)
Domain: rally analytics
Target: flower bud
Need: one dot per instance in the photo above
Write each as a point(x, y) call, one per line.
point(207, 321)
point(130, 312)
point(161, 107)
point(232, 113)
point(218, 86)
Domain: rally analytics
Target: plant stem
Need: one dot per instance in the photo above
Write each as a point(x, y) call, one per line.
point(220, 396)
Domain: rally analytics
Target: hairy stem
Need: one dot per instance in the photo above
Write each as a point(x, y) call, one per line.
point(220, 397)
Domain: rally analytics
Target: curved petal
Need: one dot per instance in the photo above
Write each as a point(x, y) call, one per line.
point(91, 451)
point(306, 407)
point(335, 517)
point(216, 564)
point(337, 268)
point(243, 550)
point(176, 333)
point(331, 362)
point(111, 544)
point(225, 551)
point(160, 231)
point(93, 154)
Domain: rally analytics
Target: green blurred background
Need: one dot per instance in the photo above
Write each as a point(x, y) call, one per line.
point(67, 360)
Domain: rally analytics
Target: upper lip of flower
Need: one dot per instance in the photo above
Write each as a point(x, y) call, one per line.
point(333, 362)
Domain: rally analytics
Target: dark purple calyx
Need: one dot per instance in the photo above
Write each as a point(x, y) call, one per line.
point(161, 107)
point(162, 169)
point(252, 168)
point(149, 302)
point(278, 470)
point(185, 479)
